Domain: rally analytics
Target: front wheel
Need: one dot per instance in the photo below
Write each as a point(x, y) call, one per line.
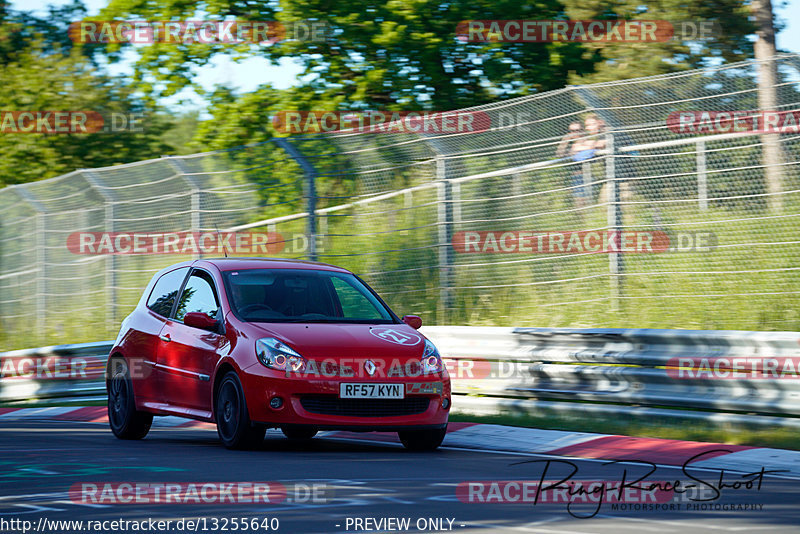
point(126, 422)
point(422, 440)
point(234, 427)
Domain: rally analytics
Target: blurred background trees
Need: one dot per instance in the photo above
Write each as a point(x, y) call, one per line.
point(400, 54)
point(41, 70)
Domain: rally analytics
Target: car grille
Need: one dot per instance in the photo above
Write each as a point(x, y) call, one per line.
point(332, 405)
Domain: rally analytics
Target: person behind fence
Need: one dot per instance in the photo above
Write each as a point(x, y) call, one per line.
point(566, 150)
point(565, 145)
point(596, 127)
point(584, 149)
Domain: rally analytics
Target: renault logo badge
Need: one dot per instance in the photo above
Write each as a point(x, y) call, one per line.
point(369, 367)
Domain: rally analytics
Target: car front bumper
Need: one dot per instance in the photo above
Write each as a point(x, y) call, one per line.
point(315, 402)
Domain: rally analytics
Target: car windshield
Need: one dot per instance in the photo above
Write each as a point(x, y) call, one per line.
point(303, 295)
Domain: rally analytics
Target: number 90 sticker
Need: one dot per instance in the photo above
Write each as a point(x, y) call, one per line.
point(395, 336)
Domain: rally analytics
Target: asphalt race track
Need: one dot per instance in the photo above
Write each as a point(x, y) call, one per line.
point(41, 461)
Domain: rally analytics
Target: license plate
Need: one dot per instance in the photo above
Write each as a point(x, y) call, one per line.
point(371, 391)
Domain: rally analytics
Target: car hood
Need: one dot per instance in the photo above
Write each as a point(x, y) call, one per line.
point(319, 341)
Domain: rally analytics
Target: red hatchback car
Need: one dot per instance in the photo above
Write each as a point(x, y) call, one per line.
point(259, 343)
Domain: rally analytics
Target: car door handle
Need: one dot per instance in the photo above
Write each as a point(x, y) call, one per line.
point(163, 337)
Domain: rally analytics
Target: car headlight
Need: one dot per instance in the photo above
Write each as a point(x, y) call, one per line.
point(431, 361)
point(276, 354)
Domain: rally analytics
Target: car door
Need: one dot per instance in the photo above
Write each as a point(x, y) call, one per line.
point(187, 355)
point(142, 342)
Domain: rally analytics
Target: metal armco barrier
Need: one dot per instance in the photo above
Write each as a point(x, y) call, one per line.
point(537, 371)
point(58, 374)
point(541, 371)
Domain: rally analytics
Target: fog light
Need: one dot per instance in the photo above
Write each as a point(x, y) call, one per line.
point(275, 403)
point(445, 403)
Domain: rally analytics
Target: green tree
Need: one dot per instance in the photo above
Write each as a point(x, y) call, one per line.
point(406, 55)
point(379, 54)
point(621, 61)
point(41, 72)
point(181, 133)
point(20, 29)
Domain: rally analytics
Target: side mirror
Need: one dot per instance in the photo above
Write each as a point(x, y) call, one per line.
point(200, 320)
point(414, 321)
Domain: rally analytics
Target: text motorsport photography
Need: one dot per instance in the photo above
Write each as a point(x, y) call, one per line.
point(638, 488)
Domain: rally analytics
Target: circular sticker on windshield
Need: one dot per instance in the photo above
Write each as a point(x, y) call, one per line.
point(395, 336)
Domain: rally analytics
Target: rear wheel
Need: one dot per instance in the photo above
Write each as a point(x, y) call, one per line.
point(234, 427)
point(125, 421)
point(301, 433)
point(422, 440)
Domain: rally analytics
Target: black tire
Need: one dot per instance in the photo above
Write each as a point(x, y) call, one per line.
point(299, 433)
point(234, 427)
point(422, 440)
point(123, 418)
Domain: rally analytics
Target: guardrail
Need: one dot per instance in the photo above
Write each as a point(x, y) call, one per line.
point(670, 374)
point(722, 376)
point(63, 374)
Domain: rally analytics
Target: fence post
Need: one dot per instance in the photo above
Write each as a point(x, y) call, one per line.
point(702, 178)
point(455, 202)
point(196, 215)
point(310, 192)
point(445, 227)
point(614, 221)
point(111, 259)
point(444, 218)
point(41, 258)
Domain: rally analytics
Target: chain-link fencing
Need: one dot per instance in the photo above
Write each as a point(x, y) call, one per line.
point(625, 222)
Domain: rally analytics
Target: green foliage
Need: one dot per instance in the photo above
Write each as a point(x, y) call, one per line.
point(20, 29)
point(178, 137)
point(394, 55)
point(390, 55)
point(41, 72)
point(36, 82)
point(620, 61)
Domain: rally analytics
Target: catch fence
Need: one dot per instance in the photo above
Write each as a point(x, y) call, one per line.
point(497, 226)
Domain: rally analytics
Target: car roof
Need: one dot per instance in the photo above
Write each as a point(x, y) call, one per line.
point(230, 264)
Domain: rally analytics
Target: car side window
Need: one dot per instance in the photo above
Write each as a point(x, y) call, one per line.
point(353, 302)
point(199, 295)
point(165, 290)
